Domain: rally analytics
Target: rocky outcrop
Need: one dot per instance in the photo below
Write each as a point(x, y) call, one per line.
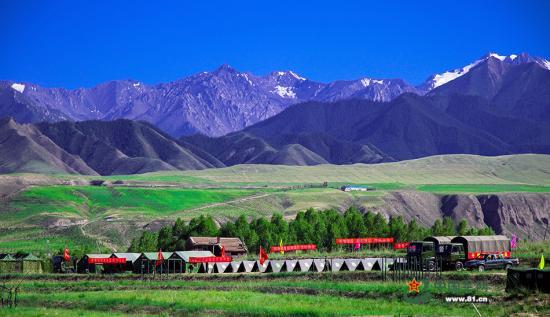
point(524, 214)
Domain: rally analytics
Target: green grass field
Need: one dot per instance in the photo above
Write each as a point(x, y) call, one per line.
point(113, 215)
point(107, 214)
point(343, 294)
point(443, 169)
point(93, 200)
point(483, 188)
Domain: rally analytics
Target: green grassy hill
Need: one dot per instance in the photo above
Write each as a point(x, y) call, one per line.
point(443, 169)
point(70, 212)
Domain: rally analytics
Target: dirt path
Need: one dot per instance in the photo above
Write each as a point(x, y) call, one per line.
point(97, 238)
point(104, 241)
point(226, 202)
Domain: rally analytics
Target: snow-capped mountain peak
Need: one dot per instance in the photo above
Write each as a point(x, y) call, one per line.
point(287, 75)
point(368, 81)
point(18, 87)
point(443, 78)
point(440, 79)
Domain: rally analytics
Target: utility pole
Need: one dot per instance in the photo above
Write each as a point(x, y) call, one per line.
point(545, 230)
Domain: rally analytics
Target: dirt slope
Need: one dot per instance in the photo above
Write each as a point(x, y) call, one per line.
point(524, 214)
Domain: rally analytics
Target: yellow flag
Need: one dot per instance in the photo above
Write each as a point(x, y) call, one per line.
point(541, 263)
point(281, 245)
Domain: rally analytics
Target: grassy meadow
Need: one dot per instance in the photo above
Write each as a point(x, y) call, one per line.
point(95, 200)
point(296, 294)
point(58, 210)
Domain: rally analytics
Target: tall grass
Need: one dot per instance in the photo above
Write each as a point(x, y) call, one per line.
point(90, 200)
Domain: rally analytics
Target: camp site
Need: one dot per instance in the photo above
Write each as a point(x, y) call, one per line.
point(217, 242)
point(274, 158)
point(359, 270)
point(197, 247)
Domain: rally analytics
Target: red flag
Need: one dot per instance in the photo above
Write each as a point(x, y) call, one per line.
point(66, 255)
point(160, 258)
point(223, 251)
point(263, 256)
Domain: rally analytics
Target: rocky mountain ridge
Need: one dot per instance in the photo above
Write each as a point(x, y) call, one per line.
point(218, 102)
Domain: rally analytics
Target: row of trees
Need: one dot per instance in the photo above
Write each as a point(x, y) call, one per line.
point(317, 227)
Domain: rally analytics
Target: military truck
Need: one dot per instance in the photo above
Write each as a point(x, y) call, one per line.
point(453, 252)
point(421, 254)
point(451, 255)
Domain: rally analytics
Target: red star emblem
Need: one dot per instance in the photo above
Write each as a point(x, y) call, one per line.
point(414, 285)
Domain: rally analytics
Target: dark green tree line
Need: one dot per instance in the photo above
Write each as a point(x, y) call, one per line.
point(317, 227)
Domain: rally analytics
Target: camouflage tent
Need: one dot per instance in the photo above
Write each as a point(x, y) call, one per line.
point(305, 265)
point(6, 257)
point(8, 264)
point(20, 263)
point(31, 264)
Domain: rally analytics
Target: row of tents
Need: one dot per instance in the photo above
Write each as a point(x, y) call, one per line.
point(298, 265)
point(178, 262)
point(20, 263)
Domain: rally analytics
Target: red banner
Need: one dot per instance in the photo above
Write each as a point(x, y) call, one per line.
point(293, 247)
point(209, 259)
point(400, 245)
point(363, 240)
point(106, 260)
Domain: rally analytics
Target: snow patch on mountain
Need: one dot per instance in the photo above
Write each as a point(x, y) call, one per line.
point(367, 82)
point(245, 76)
point(289, 73)
point(285, 92)
point(441, 79)
point(293, 74)
point(18, 87)
point(495, 55)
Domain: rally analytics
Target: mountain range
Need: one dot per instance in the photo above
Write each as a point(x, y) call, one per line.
point(493, 106)
point(211, 103)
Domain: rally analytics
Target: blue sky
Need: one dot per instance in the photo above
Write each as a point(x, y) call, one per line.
point(70, 44)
